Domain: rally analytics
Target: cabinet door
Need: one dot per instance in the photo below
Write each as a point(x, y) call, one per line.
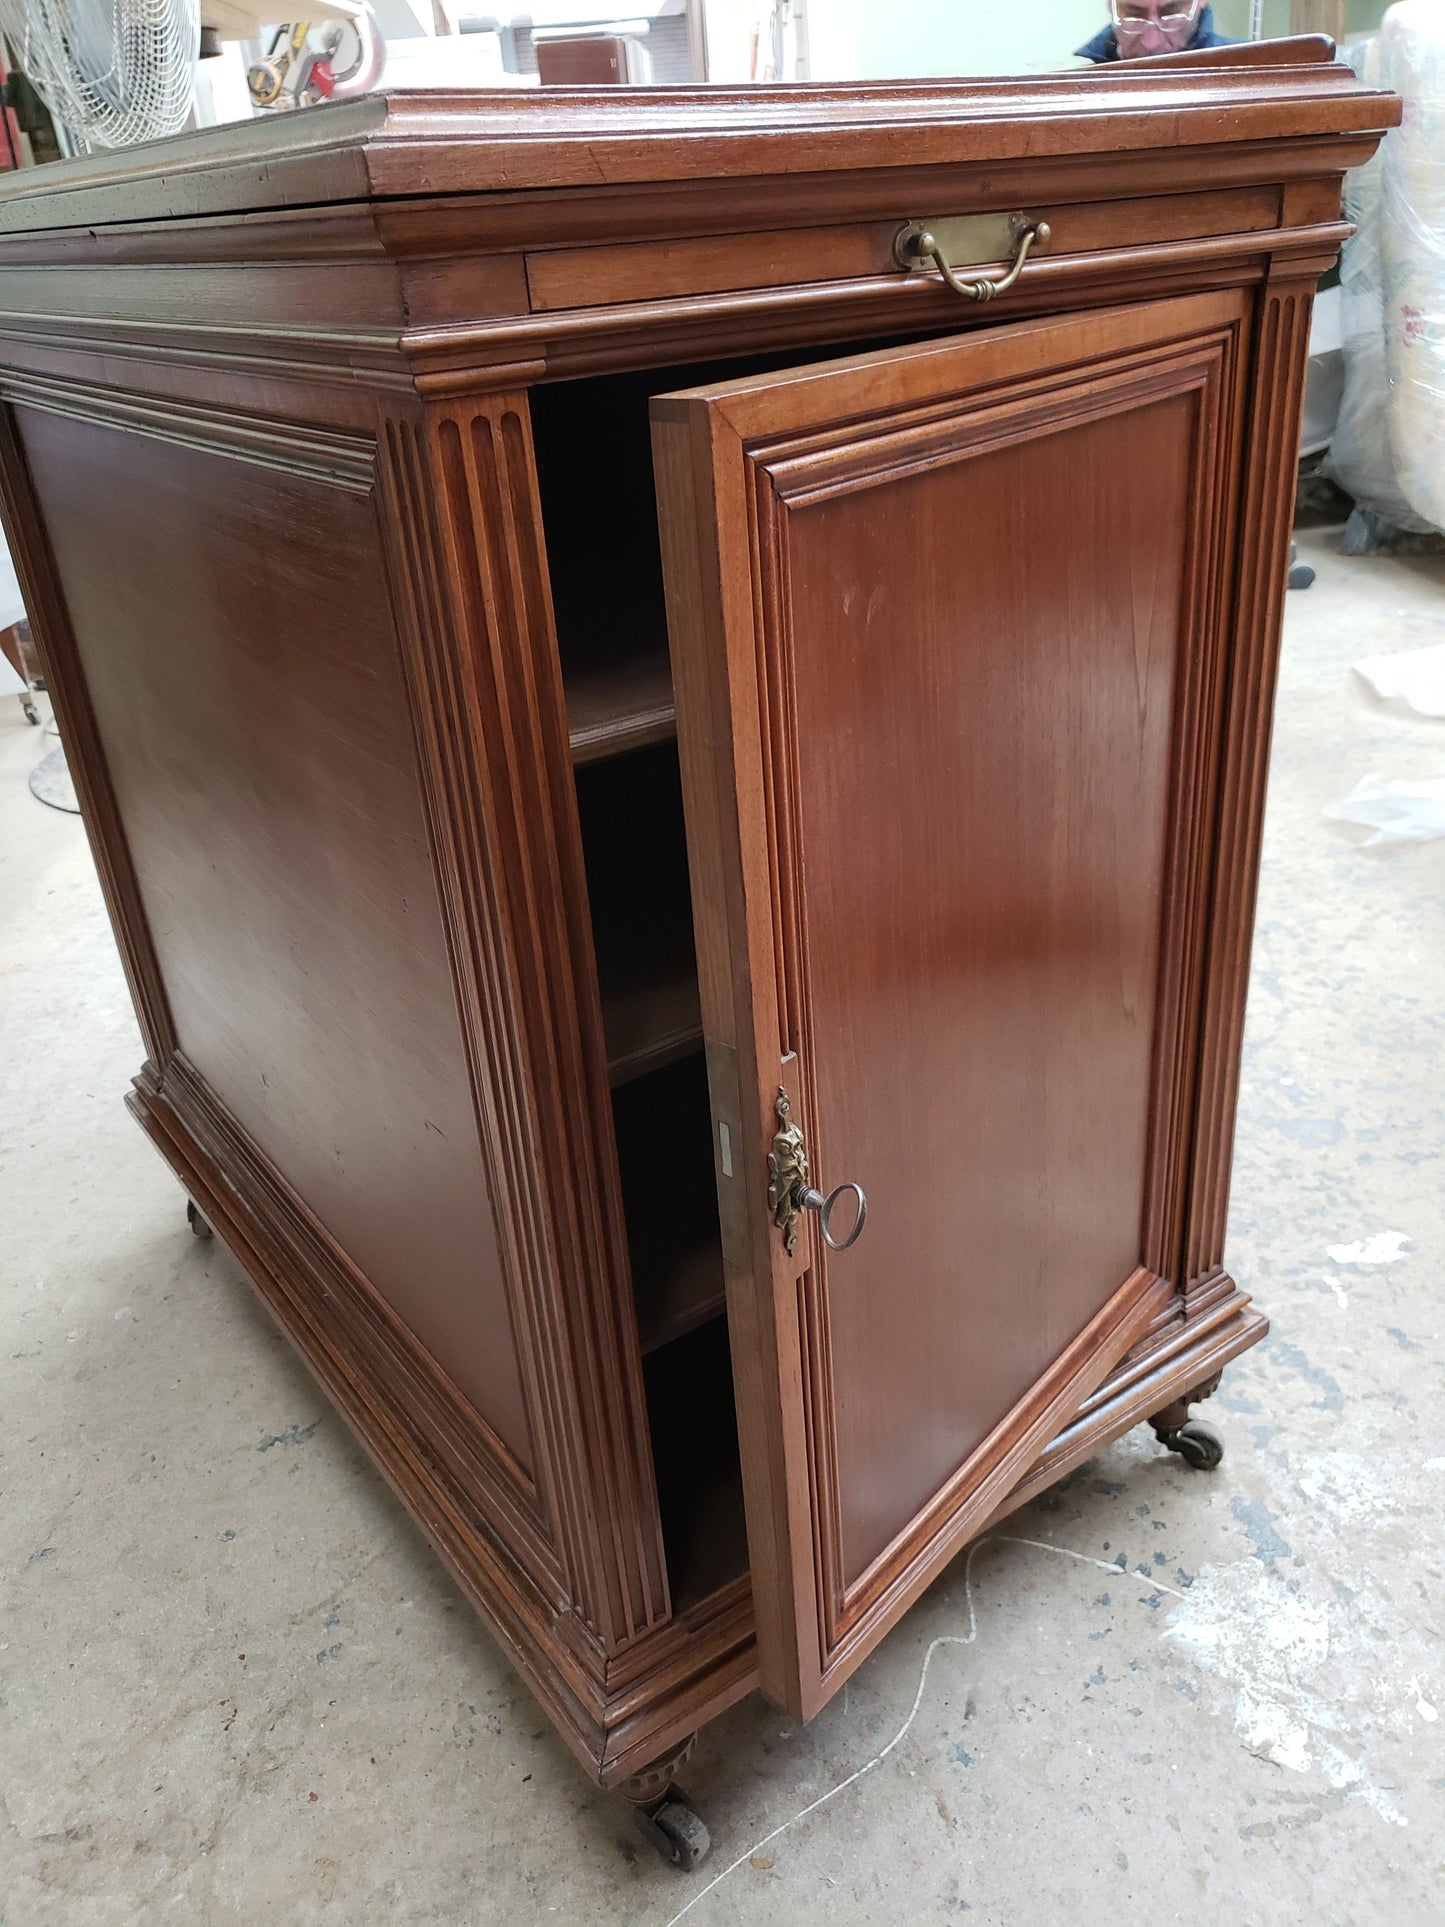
point(944, 627)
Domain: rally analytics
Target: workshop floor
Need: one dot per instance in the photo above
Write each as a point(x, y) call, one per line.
point(236, 1687)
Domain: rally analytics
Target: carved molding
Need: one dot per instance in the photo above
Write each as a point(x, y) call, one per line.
point(334, 356)
point(333, 458)
point(492, 739)
point(1164, 1368)
point(500, 351)
point(646, 333)
point(1266, 492)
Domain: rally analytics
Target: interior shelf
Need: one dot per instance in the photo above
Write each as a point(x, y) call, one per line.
point(620, 705)
point(648, 1025)
point(602, 541)
point(607, 592)
point(636, 855)
point(664, 1150)
point(607, 570)
point(699, 1477)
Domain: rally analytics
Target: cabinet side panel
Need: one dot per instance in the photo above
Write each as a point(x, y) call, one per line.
point(232, 625)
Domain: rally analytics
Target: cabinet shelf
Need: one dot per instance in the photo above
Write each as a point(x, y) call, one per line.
point(664, 1154)
point(677, 1297)
point(607, 595)
point(613, 707)
point(699, 1478)
point(650, 1023)
point(630, 808)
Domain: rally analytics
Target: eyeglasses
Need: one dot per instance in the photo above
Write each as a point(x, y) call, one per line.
point(1127, 19)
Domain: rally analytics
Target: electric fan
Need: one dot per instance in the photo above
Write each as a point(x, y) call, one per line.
point(113, 71)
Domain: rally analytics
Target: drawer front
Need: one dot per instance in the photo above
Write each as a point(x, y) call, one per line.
point(583, 277)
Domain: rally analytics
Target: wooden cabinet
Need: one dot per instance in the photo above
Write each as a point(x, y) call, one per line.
point(627, 728)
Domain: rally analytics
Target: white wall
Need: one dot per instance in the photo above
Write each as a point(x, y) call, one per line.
point(891, 39)
point(902, 37)
point(727, 24)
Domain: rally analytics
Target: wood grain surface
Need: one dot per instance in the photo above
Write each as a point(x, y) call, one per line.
point(955, 636)
point(254, 723)
point(440, 142)
point(323, 457)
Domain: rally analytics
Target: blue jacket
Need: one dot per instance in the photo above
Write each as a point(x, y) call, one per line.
point(1104, 46)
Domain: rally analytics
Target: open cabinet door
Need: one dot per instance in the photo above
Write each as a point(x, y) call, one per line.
point(945, 629)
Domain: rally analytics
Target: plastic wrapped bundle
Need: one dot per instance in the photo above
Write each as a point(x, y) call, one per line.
point(1360, 452)
point(1412, 61)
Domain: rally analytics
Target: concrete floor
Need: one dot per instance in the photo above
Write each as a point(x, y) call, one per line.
point(236, 1687)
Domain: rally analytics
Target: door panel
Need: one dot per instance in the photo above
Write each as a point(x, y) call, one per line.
point(942, 640)
point(995, 855)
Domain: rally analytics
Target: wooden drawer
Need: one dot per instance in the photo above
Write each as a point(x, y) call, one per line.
point(561, 278)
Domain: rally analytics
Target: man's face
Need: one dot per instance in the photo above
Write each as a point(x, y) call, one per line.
point(1153, 26)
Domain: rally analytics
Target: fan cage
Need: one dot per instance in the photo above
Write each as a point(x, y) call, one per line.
point(114, 72)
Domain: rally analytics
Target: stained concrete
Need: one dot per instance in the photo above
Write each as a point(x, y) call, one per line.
point(236, 1687)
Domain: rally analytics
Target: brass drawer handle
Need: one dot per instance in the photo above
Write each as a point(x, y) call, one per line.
point(918, 247)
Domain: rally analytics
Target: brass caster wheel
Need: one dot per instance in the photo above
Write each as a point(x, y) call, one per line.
point(1197, 1444)
point(196, 1221)
point(678, 1833)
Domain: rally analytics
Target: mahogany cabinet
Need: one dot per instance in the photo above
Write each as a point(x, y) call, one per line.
point(523, 1003)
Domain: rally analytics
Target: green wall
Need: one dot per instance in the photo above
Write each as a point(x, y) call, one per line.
point(1232, 17)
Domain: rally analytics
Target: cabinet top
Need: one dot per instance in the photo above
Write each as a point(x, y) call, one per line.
point(496, 141)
